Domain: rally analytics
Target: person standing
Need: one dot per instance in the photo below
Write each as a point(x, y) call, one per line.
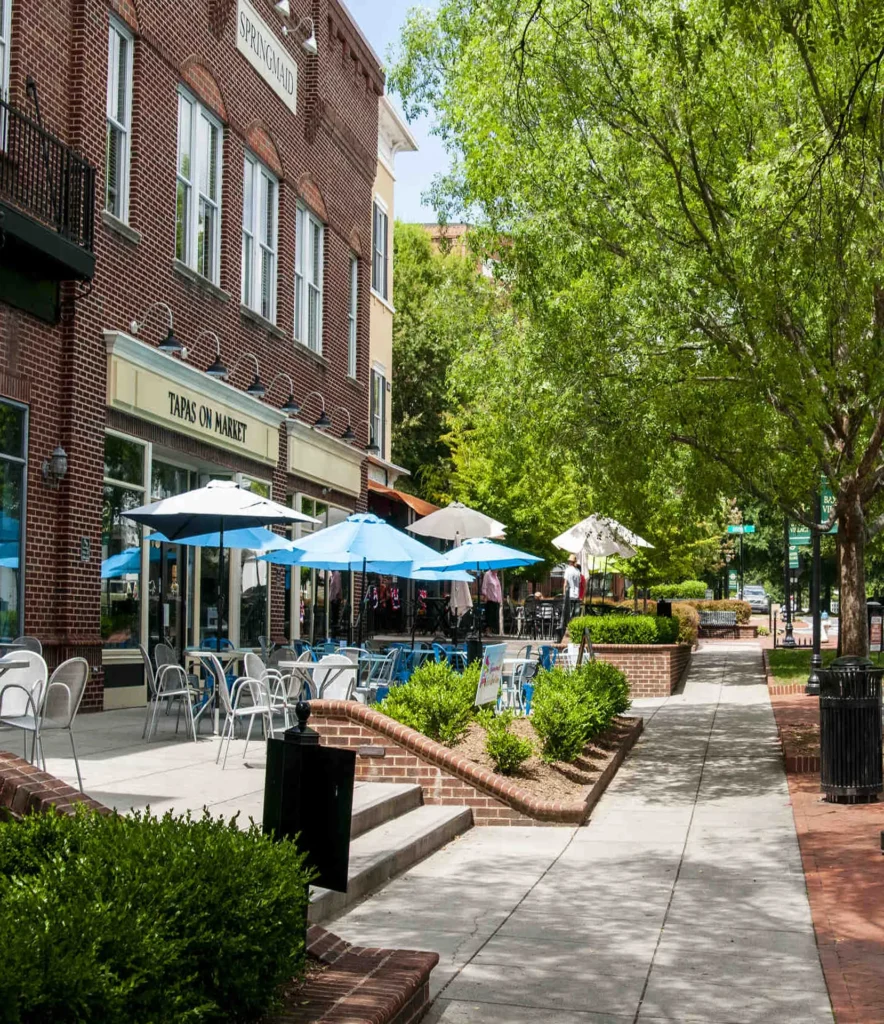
point(492, 595)
point(571, 593)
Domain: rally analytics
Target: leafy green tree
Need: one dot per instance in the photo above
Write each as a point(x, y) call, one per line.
point(692, 195)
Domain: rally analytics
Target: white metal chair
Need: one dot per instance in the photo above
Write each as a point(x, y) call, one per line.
point(169, 683)
point(335, 679)
point(21, 689)
point(248, 699)
point(61, 701)
point(272, 678)
point(29, 643)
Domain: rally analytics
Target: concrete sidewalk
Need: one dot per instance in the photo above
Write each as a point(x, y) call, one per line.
point(683, 900)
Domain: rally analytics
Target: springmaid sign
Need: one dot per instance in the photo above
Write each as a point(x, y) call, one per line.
point(265, 52)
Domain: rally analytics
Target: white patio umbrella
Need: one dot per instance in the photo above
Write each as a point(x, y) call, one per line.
point(599, 537)
point(457, 522)
point(220, 505)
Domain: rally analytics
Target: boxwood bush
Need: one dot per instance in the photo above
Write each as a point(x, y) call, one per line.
point(570, 709)
point(686, 591)
point(742, 608)
point(625, 629)
point(121, 919)
point(436, 700)
point(506, 750)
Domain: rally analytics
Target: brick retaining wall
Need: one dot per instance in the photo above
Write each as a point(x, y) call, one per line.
point(390, 752)
point(743, 631)
point(653, 670)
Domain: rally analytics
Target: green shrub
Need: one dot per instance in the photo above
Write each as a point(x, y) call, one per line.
point(437, 701)
point(122, 919)
point(742, 608)
point(686, 591)
point(688, 623)
point(625, 629)
point(569, 709)
point(506, 750)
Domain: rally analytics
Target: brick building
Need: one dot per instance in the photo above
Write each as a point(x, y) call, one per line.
point(232, 150)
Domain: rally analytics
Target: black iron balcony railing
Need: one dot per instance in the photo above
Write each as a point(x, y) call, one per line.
point(46, 179)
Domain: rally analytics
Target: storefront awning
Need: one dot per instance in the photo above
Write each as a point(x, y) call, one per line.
point(421, 507)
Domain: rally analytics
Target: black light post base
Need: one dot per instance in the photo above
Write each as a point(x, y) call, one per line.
point(813, 680)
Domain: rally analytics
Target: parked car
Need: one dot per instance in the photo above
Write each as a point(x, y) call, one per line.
point(756, 598)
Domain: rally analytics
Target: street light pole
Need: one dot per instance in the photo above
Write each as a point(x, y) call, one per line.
point(741, 566)
point(789, 640)
point(816, 661)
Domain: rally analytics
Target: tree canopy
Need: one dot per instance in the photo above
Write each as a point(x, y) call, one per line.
point(692, 197)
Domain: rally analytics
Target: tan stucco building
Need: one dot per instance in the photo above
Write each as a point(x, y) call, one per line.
point(393, 137)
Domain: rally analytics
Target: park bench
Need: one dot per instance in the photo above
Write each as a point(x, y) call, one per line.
point(711, 622)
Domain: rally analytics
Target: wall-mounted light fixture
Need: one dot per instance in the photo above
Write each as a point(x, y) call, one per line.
point(373, 448)
point(170, 344)
point(291, 407)
point(284, 9)
point(349, 433)
point(55, 468)
point(256, 389)
point(216, 369)
point(323, 420)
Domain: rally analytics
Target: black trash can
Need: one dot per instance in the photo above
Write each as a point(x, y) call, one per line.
point(850, 730)
point(664, 609)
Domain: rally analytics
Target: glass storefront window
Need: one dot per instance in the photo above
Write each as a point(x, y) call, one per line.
point(123, 461)
point(12, 485)
point(120, 568)
point(319, 592)
point(170, 594)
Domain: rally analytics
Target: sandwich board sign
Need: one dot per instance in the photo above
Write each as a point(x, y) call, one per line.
point(492, 674)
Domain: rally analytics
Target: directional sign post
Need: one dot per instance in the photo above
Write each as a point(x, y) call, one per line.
point(827, 503)
point(799, 536)
point(741, 528)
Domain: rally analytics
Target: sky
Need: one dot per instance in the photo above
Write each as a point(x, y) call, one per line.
point(380, 22)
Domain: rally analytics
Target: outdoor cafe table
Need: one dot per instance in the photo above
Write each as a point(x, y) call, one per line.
point(307, 668)
point(209, 692)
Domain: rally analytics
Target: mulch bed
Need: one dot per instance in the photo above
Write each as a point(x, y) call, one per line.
point(568, 783)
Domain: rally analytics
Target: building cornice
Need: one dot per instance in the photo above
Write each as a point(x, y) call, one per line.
point(342, 449)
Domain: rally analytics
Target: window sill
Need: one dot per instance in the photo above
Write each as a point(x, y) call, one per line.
point(315, 356)
point(384, 302)
point(259, 321)
point(120, 227)
point(357, 385)
point(203, 283)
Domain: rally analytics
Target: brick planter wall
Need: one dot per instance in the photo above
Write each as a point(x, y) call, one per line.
point(390, 752)
point(653, 670)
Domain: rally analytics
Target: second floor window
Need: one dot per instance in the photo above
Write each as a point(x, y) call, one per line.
point(380, 252)
point(119, 119)
point(260, 213)
point(309, 252)
point(5, 29)
point(378, 410)
point(198, 201)
point(351, 322)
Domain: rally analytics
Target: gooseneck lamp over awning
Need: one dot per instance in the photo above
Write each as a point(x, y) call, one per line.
point(291, 406)
point(256, 389)
point(348, 434)
point(323, 420)
point(373, 448)
point(217, 369)
point(170, 344)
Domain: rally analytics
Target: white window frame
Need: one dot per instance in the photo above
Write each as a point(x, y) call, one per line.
point(251, 291)
point(380, 253)
point(199, 113)
point(5, 42)
point(117, 35)
point(379, 415)
point(305, 221)
point(352, 318)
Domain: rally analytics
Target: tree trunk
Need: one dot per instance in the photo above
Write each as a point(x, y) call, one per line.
point(852, 620)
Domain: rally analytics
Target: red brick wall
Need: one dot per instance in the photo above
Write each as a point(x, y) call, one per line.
point(652, 670)
point(62, 369)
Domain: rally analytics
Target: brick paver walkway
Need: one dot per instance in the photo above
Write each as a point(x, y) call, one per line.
point(683, 900)
point(840, 849)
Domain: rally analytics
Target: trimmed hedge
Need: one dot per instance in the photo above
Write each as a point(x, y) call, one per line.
point(137, 918)
point(570, 708)
point(688, 622)
point(686, 591)
point(742, 608)
point(625, 629)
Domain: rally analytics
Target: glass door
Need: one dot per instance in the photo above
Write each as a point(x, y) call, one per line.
point(170, 571)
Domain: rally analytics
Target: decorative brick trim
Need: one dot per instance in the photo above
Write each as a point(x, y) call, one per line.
point(25, 789)
point(446, 777)
point(779, 689)
point(361, 985)
point(652, 670)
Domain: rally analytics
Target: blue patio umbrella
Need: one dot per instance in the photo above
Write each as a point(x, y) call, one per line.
point(250, 538)
point(361, 542)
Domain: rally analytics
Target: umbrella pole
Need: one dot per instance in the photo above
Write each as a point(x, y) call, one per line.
point(363, 602)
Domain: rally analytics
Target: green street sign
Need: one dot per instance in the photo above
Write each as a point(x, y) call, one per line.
point(827, 503)
point(733, 581)
point(745, 528)
point(793, 556)
point(799, 536)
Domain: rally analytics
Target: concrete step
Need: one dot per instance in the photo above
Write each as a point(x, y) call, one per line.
point(388, 850)
point(377, 802)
